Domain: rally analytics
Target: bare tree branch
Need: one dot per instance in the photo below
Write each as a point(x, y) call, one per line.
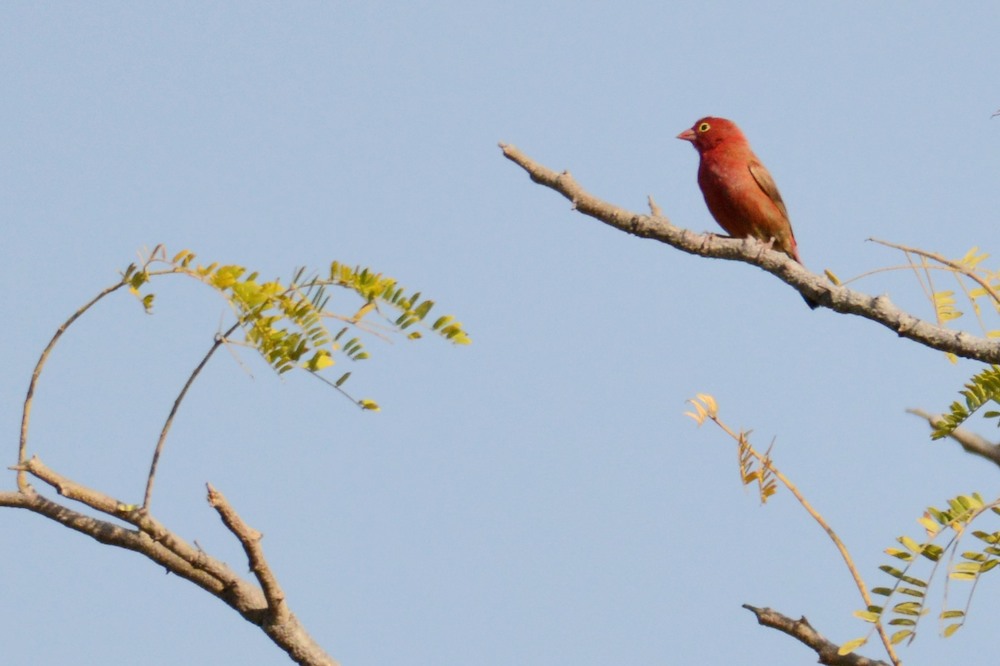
point(278, 622)
point(971, 442)
point(250, 538)
point(266, 609)
point(802, 631)
point(838, 298)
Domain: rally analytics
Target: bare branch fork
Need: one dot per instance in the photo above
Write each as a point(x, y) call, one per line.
point(264, 606)
point(838, 298)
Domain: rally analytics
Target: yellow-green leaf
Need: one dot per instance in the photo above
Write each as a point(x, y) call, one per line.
point(321, 359)
point(867, 616)
point(900, 636)
point(851, 646)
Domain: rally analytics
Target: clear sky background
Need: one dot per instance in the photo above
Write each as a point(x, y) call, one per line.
point(537, 497)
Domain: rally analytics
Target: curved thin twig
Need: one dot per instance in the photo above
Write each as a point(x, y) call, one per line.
point(22, 451)
point(836, 297)
point(219, 341)
point(987, 287)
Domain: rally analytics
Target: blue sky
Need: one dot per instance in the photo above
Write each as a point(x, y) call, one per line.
point(537, 497)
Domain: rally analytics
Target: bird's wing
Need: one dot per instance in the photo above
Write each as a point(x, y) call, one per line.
point(763, 178)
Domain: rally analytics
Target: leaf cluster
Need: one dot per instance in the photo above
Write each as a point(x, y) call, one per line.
point(981, 389)
point(755, 467)
point(908, 592)
point(290, 324)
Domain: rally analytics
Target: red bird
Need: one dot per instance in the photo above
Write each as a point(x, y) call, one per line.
point(739, 191)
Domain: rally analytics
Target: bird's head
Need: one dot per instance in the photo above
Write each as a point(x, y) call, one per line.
point(710, 132)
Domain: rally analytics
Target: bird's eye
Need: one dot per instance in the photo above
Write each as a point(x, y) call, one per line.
point(704, 127)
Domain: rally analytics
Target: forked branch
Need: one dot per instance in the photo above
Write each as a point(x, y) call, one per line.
point(264, 606)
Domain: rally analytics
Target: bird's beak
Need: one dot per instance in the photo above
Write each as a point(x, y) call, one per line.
point(687, 135)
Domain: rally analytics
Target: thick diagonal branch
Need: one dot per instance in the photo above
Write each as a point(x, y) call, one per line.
point(838, 298)
point(802, 631)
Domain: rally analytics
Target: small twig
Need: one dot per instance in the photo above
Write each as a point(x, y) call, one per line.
point(333, 385)
point(893, 269)
point(654, 208)
point(219, 340)
point(947, 262)
point(250, 538)
point(971, 442)
point(802, 631)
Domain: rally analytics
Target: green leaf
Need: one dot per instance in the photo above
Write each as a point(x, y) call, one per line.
point(892, 571)
point(421, 311)
point(851, 646)
point(900, 636)
point(951, 629)
point(966, 567)
point(319, 360)
point(899, 554)
point(907, 608)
